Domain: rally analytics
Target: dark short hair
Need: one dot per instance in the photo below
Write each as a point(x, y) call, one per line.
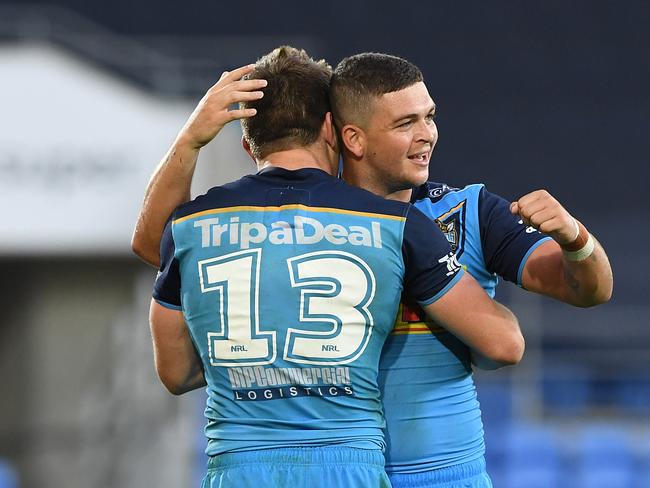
point(294, 105)
point(360, 78)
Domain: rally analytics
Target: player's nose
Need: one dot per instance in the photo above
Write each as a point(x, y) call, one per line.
point(427, 132)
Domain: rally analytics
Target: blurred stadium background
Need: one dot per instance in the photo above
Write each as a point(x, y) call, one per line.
point(531, 94)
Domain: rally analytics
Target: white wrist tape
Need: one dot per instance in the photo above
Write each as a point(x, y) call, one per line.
point(582, 253)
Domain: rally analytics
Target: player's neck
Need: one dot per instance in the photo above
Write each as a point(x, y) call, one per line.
point(300, 158)
point(355, 175)
point(401, 195)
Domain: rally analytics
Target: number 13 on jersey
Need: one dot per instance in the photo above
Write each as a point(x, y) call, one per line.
point(335, 288)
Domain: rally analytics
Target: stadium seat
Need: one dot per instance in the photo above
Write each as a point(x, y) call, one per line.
point(532, 458)
point(605, 478)
point(567, 389)
point(632, 394)
point(8, 475)
point(605, 458)
point(642, 471)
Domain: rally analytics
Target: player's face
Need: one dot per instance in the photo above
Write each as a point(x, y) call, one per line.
point(401, 134)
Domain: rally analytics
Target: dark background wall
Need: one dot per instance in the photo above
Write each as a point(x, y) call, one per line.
point(551, 94)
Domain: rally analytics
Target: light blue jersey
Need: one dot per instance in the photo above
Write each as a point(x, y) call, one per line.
point(432, 412)
point(289, 282)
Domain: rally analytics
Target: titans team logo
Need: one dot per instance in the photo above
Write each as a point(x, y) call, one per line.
point(452, 225)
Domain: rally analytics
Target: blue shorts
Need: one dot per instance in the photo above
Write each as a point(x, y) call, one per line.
point(308, 467)
point(466, 475)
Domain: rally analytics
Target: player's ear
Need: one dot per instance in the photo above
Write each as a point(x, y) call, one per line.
point(247, 147)
point(329, 132)
point(353, 139)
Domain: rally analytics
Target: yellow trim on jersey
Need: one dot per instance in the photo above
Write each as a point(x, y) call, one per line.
point(414, 328)
point(297, 206)
point(451, 211)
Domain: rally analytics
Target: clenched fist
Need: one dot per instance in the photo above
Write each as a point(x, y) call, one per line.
point(543, 212)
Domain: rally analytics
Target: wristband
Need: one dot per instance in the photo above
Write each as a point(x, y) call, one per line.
point(582, 253)
point(580, 241)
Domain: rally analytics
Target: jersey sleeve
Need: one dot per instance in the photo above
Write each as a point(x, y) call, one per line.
point(167, 287)
point(431, 268)
point(507, 242)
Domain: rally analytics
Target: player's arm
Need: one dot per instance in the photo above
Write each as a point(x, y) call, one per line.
point(488, 328)
point(177, 362)
point(170, 183)
point(573, 267)
point(453, 299)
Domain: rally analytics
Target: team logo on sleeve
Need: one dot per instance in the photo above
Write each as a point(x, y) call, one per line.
point(453, 266)
point(451, 231)
point(452, 225)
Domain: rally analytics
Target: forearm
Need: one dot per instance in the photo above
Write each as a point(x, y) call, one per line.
point(178, 364)
point(482, 324)
point(582, 283)
point(511, 350)
point(574, 267)
point(483, 362)
point(168, 187)
point(588, 282)
point(194, 379)
point(178, 379)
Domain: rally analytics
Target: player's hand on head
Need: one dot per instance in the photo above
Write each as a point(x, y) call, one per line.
point(542, 211)
point(214, 110)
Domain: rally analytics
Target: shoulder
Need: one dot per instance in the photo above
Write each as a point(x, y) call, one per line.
point(244, 191)
point(216, 197)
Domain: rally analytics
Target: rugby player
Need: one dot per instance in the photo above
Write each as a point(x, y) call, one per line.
point(278, 290)
point(385, 117)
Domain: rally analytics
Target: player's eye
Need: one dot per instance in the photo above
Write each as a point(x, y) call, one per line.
point(431, 117)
